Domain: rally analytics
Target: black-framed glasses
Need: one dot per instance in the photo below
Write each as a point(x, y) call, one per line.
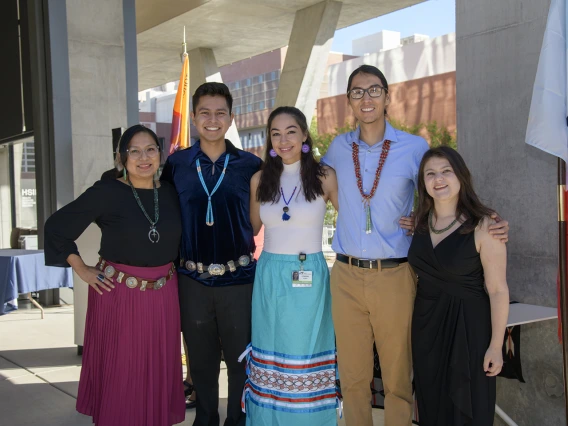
point(136, 153)
point(373, 91)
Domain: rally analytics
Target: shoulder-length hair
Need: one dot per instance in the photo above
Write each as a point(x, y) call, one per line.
point(468, 205)
point(121, 155)
point(310, 169)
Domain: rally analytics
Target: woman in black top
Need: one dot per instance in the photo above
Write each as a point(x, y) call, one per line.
point(462, 302)
point(131, 370)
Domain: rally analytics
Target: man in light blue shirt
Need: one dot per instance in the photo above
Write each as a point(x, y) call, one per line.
point(394, 195)
point(372, 285)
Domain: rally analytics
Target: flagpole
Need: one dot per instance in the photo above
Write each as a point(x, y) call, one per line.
point(562, 268)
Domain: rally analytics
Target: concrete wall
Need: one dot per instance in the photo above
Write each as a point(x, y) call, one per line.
point(412, 102)
point(498, 46)
point(98, 81)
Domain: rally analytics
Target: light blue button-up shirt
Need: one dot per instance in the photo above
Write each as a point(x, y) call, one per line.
point(393, 198)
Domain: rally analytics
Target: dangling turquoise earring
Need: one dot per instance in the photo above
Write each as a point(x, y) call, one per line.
point(124, 173)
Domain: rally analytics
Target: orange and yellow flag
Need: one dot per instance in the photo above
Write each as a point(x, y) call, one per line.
point(180, 119)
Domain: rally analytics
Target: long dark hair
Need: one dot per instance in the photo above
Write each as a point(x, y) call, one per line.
point(469, 204)
point(310, 170)
point(122, 148)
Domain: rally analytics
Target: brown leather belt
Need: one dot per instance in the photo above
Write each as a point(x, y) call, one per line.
point(371, 263)
point(132, 281)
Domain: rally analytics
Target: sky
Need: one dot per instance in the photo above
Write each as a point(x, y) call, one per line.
point(433, 18)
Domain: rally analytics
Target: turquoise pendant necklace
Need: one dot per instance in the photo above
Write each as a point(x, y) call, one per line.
point(209, 217)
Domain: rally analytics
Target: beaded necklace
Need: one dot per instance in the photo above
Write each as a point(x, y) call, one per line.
point(367, 197)
point(439, 231)
point(153, 235)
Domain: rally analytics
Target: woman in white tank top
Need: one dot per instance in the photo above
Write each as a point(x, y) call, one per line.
point(291, 361)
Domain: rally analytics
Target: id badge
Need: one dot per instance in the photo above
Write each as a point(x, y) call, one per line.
point(302, 279)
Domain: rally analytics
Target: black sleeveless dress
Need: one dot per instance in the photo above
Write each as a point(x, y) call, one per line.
point(451, 331)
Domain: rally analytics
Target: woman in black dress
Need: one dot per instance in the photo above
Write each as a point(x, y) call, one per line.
point(131, 373)
point(462, 301)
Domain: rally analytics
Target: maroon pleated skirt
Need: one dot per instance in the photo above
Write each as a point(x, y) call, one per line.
point(132, 372)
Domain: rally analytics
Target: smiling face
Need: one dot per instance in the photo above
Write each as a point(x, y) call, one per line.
point(368, 110)
point(212, 118)
point(440, 181)
point(287, 138)
point(143, 157)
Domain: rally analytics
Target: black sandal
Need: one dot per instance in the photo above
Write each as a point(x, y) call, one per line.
point(187, 392)
point(188, 388)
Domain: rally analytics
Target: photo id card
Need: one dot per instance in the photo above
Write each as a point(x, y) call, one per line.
point(302, 279)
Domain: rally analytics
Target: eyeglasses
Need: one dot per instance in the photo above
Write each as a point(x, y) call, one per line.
point(136, 153)
point(373, 91)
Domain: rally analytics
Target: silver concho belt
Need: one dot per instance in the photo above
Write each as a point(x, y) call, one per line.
point(216, 269)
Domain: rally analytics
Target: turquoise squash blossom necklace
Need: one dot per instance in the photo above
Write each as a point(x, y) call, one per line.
point(209, 220)
point(153, 235)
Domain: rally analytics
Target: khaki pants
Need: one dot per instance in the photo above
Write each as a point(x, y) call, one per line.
point(374, 305)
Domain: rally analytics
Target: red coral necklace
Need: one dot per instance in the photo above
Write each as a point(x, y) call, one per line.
point(367, 197)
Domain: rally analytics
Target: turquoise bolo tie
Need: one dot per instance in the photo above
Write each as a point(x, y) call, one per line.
point(209, 217)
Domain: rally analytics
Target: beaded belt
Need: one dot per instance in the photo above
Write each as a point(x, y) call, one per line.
point(371, 263)
point(216, 269)
point(132, 281)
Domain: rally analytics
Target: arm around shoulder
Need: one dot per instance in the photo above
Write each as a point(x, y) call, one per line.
point(493, 256)
point(329, 183)
point(255, 204)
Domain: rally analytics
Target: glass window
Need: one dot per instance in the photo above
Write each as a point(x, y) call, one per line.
point(260, 78)
point(248, 82)
point(249, 108)
point(237, 84)
point(261, 105)
point(273, 75)
point(24, 184)
point(237, 110)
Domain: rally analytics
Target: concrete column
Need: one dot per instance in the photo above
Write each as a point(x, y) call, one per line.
point(203, 68)
point(97, 71)
point(97, 74)
point(131, 62)
point(306, 59)
point(497, 51)
point(5, 196)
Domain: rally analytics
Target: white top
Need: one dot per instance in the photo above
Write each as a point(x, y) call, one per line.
point(302, 233)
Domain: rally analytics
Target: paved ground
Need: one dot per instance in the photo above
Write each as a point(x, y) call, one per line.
point(39, 371)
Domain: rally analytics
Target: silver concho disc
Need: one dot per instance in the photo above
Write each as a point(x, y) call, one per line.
point(109, 271)
point(154, 235)
point(216, 269)
point(131, 282)
point(190, 265)
point(244, 260)
point(160, 283)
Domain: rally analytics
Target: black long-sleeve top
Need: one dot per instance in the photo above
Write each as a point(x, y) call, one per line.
point(112, 206)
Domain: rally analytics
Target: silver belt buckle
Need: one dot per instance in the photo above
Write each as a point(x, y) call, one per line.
point(216, 269)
